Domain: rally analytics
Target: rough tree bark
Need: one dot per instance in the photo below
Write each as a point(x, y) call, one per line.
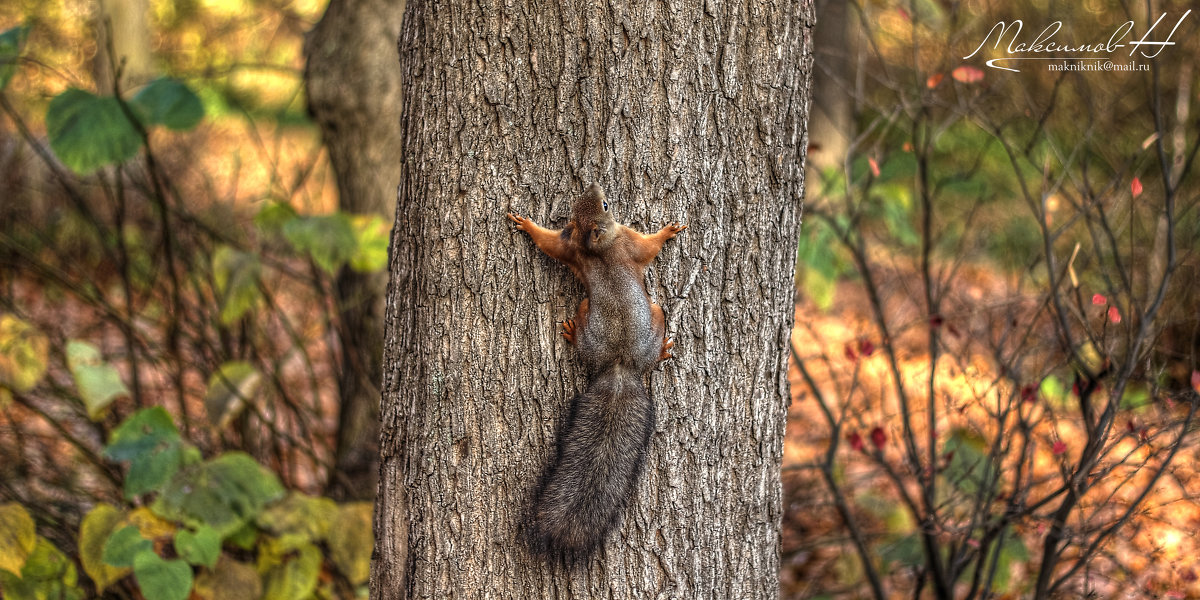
point(353, 90)
point(691, 110)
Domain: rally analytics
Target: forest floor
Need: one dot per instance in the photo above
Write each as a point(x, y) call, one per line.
point(1153, 557)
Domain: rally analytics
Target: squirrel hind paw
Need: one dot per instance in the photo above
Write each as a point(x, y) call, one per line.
point(663, 354)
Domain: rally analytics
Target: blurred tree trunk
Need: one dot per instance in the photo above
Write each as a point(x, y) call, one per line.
point(692, 111)
point(353, 85)
point(123, 26)
point(831, 124)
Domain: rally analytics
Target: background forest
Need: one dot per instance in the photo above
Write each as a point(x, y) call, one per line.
point(994, 365)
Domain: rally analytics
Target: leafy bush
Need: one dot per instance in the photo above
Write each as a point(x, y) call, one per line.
point(144, 302)
point(998, 407)
point(188, 527)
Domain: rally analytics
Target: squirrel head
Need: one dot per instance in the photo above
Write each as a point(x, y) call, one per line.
point(592, 219)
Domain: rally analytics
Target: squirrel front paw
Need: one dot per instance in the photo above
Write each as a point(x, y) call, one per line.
point(522, 222)
point(569, 330)
point(673, 229)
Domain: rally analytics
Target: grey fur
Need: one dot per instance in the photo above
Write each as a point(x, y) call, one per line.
point(600, 455)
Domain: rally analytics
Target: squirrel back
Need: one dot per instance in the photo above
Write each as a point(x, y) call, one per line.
point(620, 335)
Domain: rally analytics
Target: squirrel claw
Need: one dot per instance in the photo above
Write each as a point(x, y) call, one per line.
point(569, 330)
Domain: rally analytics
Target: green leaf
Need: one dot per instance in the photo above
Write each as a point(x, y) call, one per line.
point(23, 354)
point(229, 389)
point(12, 41)
point(372, 236)
point(18, 537)
point(150, 441)
point(1012, 552)
point(898, 166)
point(149, 472)
point(223, 493)
point(236, 275)
point(274, 216)
point(88, 131)
point(94, 532)
point(1053, 390)
point(162, 579)
point(1136, 398)
point(351, 542)
point(905, 551)
point(201, 547)
point(969, 466)
point(99, 383)
point(191, 455)
point(123, 547)
point(308, 516)
point(328, 239)
point(296, 578)
point(893, 203)
point(48, 573)
point(245, 537)
point(144, 431)
point(819, 288)
point(169, 102)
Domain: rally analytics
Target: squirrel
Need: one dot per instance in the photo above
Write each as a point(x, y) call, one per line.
point(620, 335)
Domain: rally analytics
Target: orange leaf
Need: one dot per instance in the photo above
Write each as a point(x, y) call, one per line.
point(874, 166)
point(1136, 187)
point(1114, 315)
point(934, 80)
point(1098, 299)
point(967, 74)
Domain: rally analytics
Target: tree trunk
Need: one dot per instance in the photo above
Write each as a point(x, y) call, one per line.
point(831, 124)
point(123, 26)
point(353, 86)
point(691, 111)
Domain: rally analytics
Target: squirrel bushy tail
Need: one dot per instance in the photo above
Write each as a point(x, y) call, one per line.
point(601, 451)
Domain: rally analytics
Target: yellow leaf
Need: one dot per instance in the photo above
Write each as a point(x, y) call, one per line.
point(23, 352)
point(295, 578)
point(149, 524)
point(94, 532)
point(18, 537)
point(301, 514)
point(350, 541)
